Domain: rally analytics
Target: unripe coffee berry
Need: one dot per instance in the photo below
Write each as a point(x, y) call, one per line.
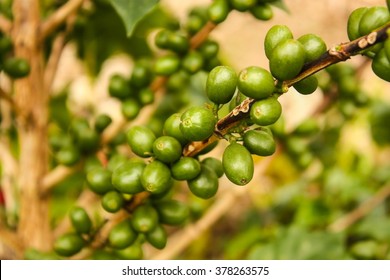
point(256, 82)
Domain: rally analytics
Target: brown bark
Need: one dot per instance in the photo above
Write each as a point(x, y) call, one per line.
point(32, 102)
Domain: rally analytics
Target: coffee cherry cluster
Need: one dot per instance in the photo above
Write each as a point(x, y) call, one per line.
point(363, 21)
point(260, 9)
point(168, 164)
point(133, 91)
point(14, 67)
point(116, 183)
point(287, 55)
point(83, 139)
point(223, 86)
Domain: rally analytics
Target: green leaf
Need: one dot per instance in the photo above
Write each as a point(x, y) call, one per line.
point(295, 243)
point(281, 5)
point(132, 11)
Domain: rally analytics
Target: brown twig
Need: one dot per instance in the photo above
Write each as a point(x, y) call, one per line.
point(335, 55)
point(59, 17)
point(202, 35)
point(56, 52)
point(5, 25)
point(57, 175)
point(362, 210)
point(11, 241)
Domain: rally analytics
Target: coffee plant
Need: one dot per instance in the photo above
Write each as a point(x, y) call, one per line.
point(194, 138)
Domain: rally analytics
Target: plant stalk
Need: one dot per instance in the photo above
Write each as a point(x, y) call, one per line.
point(32, 118)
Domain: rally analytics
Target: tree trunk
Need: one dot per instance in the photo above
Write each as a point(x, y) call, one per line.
point(32, 117)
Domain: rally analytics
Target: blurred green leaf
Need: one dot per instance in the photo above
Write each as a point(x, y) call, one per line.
point(132, 11)
point(100, 33)
point(238, 246)
point(281, 5)
point(295, 243)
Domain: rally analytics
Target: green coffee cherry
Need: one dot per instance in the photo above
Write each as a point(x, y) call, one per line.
point(307, 85)
point(91, 163)
point(374, 18)
point(274, 36)
point(211, 63)
point(197, 123)
point(314, 46)
point(381, 66)
point(68, 156)
point(178, 43)
point(122, 235)
point(101, 122)
point(80, 220)
point(259, 142)
point(287, 60)
point(127, 177)
point(256, 82)
point(167, 65)
point(242, 5)
point(130, 108)
point(265, 112)
point(140, 140)
point(157, 237)
point(353, 23)
point(114, 162)
point(194, 23)
point(172, 128)
point(186, 168)
point(172, 212)
point(16, 67)
point(99, 180)
point(205, 185)
point(177, 81)
point(156, 177)
point(218, 11)
point(192, 62)
point(69, 244)
point(167, 149)
point(209, 49)
point(215, 165)
point(5, 45)
point(112, 201)
point(146, 96)
point(132, 252)
point(162, 38)
point(87, 140)
point(144, 219)
point(221, 84)
point(238, 164)
point(141, 75)
point(78, 125)
point(262, 12)
point(119, 87)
